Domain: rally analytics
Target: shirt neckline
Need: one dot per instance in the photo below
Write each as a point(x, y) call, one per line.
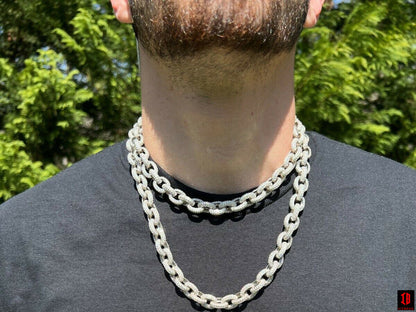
point(195, 193)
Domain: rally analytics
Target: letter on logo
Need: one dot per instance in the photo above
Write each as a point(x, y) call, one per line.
point(405, 298)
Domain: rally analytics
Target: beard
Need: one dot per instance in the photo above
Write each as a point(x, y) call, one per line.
point(174, 29)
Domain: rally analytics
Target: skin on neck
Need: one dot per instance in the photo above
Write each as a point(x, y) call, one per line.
point(221, 122)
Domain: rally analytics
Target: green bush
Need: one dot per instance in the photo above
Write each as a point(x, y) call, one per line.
point(17, 170)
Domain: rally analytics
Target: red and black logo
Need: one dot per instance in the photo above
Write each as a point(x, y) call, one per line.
point(405, 300)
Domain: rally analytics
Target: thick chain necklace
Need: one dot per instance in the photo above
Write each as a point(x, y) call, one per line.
point(144, 171)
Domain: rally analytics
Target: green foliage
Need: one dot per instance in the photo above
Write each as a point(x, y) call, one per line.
point(68, 86)
point(107, 61)
point(47, 117)
point(17, 170)
point(27, 26)
point(69, 83)
point(356, 77)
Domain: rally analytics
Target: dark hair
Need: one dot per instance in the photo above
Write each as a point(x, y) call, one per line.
point(168, 29)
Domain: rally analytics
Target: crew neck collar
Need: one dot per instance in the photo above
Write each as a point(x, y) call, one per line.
point(194, 193)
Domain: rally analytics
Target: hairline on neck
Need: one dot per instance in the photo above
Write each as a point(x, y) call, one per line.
point(217, 71)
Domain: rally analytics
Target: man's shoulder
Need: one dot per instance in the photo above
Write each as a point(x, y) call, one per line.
point(83, 179)
point(349, 161)
point(67, 229)
point(354, 181)
point(355, 177)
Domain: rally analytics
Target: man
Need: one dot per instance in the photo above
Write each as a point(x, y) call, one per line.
point(221, 159)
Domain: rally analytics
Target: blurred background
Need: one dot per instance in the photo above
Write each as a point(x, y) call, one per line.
point(69, 83)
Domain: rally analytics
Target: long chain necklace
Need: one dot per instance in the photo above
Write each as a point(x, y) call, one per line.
point(144, 170)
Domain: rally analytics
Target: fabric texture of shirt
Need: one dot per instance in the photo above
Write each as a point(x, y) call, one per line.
point(80, 240)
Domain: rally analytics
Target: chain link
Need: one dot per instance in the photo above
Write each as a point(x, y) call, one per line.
point(148, 168)
point(142, 169)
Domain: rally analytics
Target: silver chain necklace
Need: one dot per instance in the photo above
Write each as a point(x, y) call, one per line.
point(144, 171)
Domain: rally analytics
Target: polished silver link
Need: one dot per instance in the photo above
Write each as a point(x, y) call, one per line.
point(143, 170)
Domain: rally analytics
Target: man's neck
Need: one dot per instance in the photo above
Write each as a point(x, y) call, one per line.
point(214, 130)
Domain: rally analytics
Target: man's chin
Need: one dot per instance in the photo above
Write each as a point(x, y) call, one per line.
point(171, 29)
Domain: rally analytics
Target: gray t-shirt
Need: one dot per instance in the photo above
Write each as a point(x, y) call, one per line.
point(80, 240)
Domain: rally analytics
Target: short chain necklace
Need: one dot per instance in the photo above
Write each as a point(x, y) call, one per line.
point(144, 170)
